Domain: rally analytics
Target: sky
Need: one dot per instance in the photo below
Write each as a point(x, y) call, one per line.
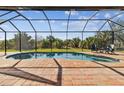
point(42, 25)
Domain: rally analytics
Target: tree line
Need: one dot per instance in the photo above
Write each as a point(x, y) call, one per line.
point(27, 42)
point(101, 39)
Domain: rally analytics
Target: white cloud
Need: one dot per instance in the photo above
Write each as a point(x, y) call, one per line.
point(107, 15)
point(87, 17)
point(117, 12)
point(53, 21)
point(72, 12)
point(83, 17)
point(64, 24)
point(119, 16)
point(74, 25)
point(92, 26)
point(37, 11)
point(2, 36)
point(80, 17)
point(41, 21)
point(78, 25)
point(67, 12)
point(29, 18)
point(5, 26)
point(21, 11)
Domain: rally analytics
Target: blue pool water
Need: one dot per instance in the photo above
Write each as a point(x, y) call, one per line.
point(73, 56)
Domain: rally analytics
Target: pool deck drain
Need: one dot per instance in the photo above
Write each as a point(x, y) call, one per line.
point(58, 72)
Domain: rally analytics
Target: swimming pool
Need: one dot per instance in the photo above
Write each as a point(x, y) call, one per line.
point(64, 55)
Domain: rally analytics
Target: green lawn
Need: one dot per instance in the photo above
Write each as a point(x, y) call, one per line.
point(120, 51)
point(55, 50)
point(49, 50)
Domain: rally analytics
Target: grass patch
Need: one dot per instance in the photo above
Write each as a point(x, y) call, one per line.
point(122, 51)
point(49, 50)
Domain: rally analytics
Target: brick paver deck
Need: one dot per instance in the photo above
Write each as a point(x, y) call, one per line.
point(38, 72)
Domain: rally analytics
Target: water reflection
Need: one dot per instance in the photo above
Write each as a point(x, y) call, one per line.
point(23, 56)
point(59, 54)
point(50, 55)
point(76, 54)
point(65, 55)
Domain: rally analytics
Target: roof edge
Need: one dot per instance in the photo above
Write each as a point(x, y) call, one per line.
point(60, 7)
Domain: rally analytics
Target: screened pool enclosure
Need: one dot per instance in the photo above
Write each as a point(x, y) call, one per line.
point(63, 30)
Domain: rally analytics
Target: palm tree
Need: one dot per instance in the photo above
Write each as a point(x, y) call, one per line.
point(68, 43)
point(76, 42)
point(118, 34)
point(103, 39)
point(26, 43)
point(46, 43)
point(89, 41)
point(58, 43)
